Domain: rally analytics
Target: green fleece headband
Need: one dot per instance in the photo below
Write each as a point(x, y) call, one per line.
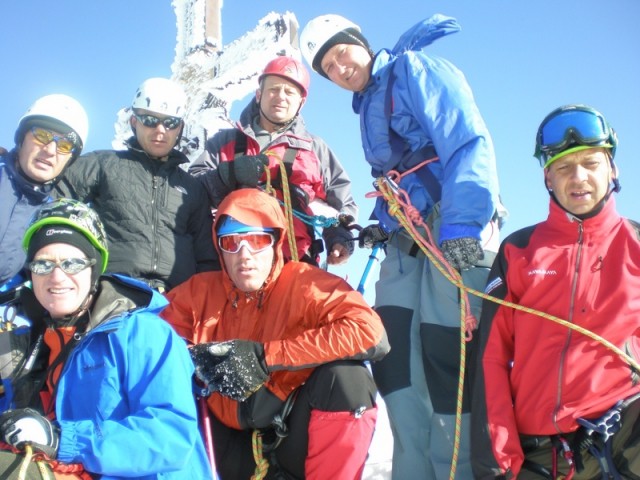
point(579, 148)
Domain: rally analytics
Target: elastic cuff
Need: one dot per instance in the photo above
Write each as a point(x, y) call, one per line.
point(458, 230)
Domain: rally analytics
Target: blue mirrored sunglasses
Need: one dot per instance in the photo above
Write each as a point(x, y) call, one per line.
point(151, 121)
point(572, 128)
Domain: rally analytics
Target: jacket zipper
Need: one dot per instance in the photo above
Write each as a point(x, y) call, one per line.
point(565, 349)
point(154, 224)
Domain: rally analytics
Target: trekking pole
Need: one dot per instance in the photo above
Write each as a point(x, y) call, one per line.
point(208, 435)
point(373, 257)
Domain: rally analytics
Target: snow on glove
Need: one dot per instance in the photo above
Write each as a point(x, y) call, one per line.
point(235, 368)
point(25, 426)
point(462, 253)
point(370, 235)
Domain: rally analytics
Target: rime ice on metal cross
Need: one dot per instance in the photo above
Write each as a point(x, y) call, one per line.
point(213, 75)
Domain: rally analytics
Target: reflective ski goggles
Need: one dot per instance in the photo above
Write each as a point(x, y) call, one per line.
point(255, 242)
point(151, 121)
point(71, 266)
point(565, 128)
point(64, 144)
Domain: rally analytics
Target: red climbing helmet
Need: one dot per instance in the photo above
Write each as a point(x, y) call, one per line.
point(290, 69)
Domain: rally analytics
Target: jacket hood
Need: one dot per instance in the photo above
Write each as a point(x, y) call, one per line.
point(257, 208)
point(421, 35)
point(424, 33)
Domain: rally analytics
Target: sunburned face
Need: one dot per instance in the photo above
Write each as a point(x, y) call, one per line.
point(247, 270)
point(348, 66)
point(279, 101)
point(39, 162)
point(580, 179)
point(58, 292)
point(156, 141)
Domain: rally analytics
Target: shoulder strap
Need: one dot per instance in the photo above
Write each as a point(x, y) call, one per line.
point(240, 143)
point(401, 153)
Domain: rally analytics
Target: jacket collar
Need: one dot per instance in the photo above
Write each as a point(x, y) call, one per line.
point(34, 190)
point(600, 224)
point(176, 157)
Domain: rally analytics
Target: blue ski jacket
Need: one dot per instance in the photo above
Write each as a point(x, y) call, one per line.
point(427, 103)
point(124, 400)
point(19, 199)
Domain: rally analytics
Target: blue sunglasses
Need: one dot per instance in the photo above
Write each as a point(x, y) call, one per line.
point(574, 126)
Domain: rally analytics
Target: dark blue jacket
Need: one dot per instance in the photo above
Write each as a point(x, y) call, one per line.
point(19, 199)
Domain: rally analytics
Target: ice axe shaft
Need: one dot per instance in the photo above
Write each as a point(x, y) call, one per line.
point(373, 257)
point(208, 435)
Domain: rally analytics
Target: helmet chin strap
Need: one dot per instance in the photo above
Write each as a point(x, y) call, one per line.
point(71, 319)
point(280, 125)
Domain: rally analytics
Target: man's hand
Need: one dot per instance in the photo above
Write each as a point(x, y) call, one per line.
point(235, 368)
point(338, 241)
point(25, 426)
point(462, 253)
point(371, 235)
point(338, 254)
point(243, 172)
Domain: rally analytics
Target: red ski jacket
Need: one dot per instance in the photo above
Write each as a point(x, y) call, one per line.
point(537, 377)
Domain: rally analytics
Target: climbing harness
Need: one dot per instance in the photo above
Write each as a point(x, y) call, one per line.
point(279, 427)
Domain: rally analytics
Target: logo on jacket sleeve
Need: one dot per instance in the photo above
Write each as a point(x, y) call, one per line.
point(492, 285)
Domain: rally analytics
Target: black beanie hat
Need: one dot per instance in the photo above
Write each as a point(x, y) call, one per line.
point(64, 234)
point(350, 36)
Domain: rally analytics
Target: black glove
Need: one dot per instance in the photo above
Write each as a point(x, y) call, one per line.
point(25, 426)
point(370, 235)
point(338, 234)
point(243, 172)
point(462, 253)
point(235, 368)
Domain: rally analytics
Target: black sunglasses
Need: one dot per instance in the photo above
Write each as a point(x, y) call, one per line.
point(151, 121)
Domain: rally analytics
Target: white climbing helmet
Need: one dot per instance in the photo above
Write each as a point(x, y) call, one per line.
point(161, 95)
point(58, 112)
point(316, 34)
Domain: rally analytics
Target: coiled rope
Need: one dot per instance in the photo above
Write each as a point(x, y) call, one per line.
point(262, 464)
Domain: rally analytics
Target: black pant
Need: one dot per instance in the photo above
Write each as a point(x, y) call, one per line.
point(333, 387)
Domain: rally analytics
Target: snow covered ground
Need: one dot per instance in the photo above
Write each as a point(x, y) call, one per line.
point(378, 466)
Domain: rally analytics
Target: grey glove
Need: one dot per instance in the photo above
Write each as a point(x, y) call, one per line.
point(462, 253)
point(371, 235)
point(244, 171)
point(25, 426)
point(235, 368)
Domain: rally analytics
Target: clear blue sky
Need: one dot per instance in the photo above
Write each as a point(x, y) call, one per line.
point(522, 60)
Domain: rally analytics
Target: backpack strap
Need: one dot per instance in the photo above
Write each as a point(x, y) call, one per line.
point(300, 199)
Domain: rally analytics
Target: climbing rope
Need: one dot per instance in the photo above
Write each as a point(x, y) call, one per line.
point(400, 207)
point(316, 221)
point(29, 457)
point(262, 464)
point(288, 210)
